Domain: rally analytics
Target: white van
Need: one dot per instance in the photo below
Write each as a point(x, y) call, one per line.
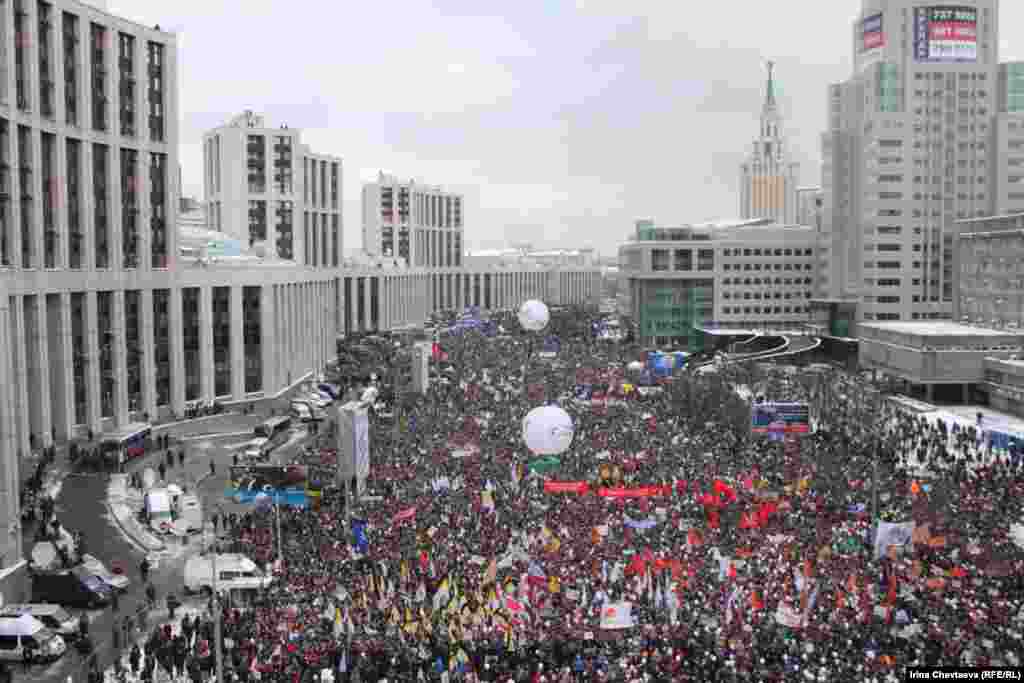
point(53, 617)
point(25, 632)
point(158, 508)
point(190, 512)
point(234, 572)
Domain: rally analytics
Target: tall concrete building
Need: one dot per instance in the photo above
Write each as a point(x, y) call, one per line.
point(768, 180)
point(918, 138)
point(255, 192)
point(88, 152)
point(419, 224)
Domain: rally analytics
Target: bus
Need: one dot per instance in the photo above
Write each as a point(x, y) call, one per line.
point(127, 442)
point(274, 427)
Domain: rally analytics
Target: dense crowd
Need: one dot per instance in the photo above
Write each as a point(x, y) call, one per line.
point(741, 556)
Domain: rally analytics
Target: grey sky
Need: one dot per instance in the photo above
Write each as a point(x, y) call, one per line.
point(561, 121)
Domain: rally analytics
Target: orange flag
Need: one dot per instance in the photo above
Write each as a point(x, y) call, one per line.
point(915, 488)
point(851, 583)
point(808, 568)
point(692, 537)
point(755, 601)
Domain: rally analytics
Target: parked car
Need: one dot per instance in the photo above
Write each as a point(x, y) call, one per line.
point(25, 632)
point(75, 588)
point(96, 568)
point(53, 617)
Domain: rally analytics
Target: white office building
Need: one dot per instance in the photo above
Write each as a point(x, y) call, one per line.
point(739, 274)
point(419, 224)
point(260, 182)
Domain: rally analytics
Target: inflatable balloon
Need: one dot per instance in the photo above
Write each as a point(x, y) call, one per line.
point(534, 315)
point(548, 430)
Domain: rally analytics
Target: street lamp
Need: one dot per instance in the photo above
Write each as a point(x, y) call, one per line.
point(217, 637)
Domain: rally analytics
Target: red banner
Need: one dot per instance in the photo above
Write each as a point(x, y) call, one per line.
point(645, 492)
point(405, 514)
point(565, 487)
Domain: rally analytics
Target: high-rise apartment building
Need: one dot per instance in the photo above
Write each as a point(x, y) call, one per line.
point(919, 137)
point(768, 180)
point(420, 224)
point(261, 181)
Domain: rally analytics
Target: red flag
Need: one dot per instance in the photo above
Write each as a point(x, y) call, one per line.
point(723, 489)
point(405, 514)
point(713, 518)
point(692, 537)
point(755, 601)
point(732, 571)
point(638, 565)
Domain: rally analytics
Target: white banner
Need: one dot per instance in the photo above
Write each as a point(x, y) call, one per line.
point(353, 444)
point(420, 370)
point(890, 534)
point(617, 615)
point(362, 447)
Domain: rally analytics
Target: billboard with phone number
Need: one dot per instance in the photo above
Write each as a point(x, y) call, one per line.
point(946, 34)
point(784, 418)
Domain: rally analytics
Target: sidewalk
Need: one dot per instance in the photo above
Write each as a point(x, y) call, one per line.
point(124, 502)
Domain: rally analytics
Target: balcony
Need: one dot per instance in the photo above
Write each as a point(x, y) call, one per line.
point(125, 63)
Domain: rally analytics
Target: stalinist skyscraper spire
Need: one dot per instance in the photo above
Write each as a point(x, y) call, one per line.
point(768, 181)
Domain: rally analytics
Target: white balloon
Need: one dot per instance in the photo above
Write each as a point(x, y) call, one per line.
point(548, 430)
point(534, 315)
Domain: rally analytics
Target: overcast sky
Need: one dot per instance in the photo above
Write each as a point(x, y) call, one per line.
point(561, 121)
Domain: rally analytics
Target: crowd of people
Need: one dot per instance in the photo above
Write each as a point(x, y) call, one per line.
point(669, 543)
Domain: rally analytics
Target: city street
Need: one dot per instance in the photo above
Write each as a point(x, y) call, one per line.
point(81, 508)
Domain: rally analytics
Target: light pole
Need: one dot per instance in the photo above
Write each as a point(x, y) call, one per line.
point(218, 653)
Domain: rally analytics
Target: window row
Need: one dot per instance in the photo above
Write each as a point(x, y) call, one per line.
point(766, 281)
point(766, 295)
point(768, 252)
point(766, 310)
point(768, 266)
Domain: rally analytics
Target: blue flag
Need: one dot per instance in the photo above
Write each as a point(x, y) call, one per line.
point(359, 531)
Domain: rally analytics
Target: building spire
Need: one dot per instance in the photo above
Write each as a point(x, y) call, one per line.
point(769, 98)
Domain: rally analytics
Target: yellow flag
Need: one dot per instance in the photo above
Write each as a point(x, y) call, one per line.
point(554, 585)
